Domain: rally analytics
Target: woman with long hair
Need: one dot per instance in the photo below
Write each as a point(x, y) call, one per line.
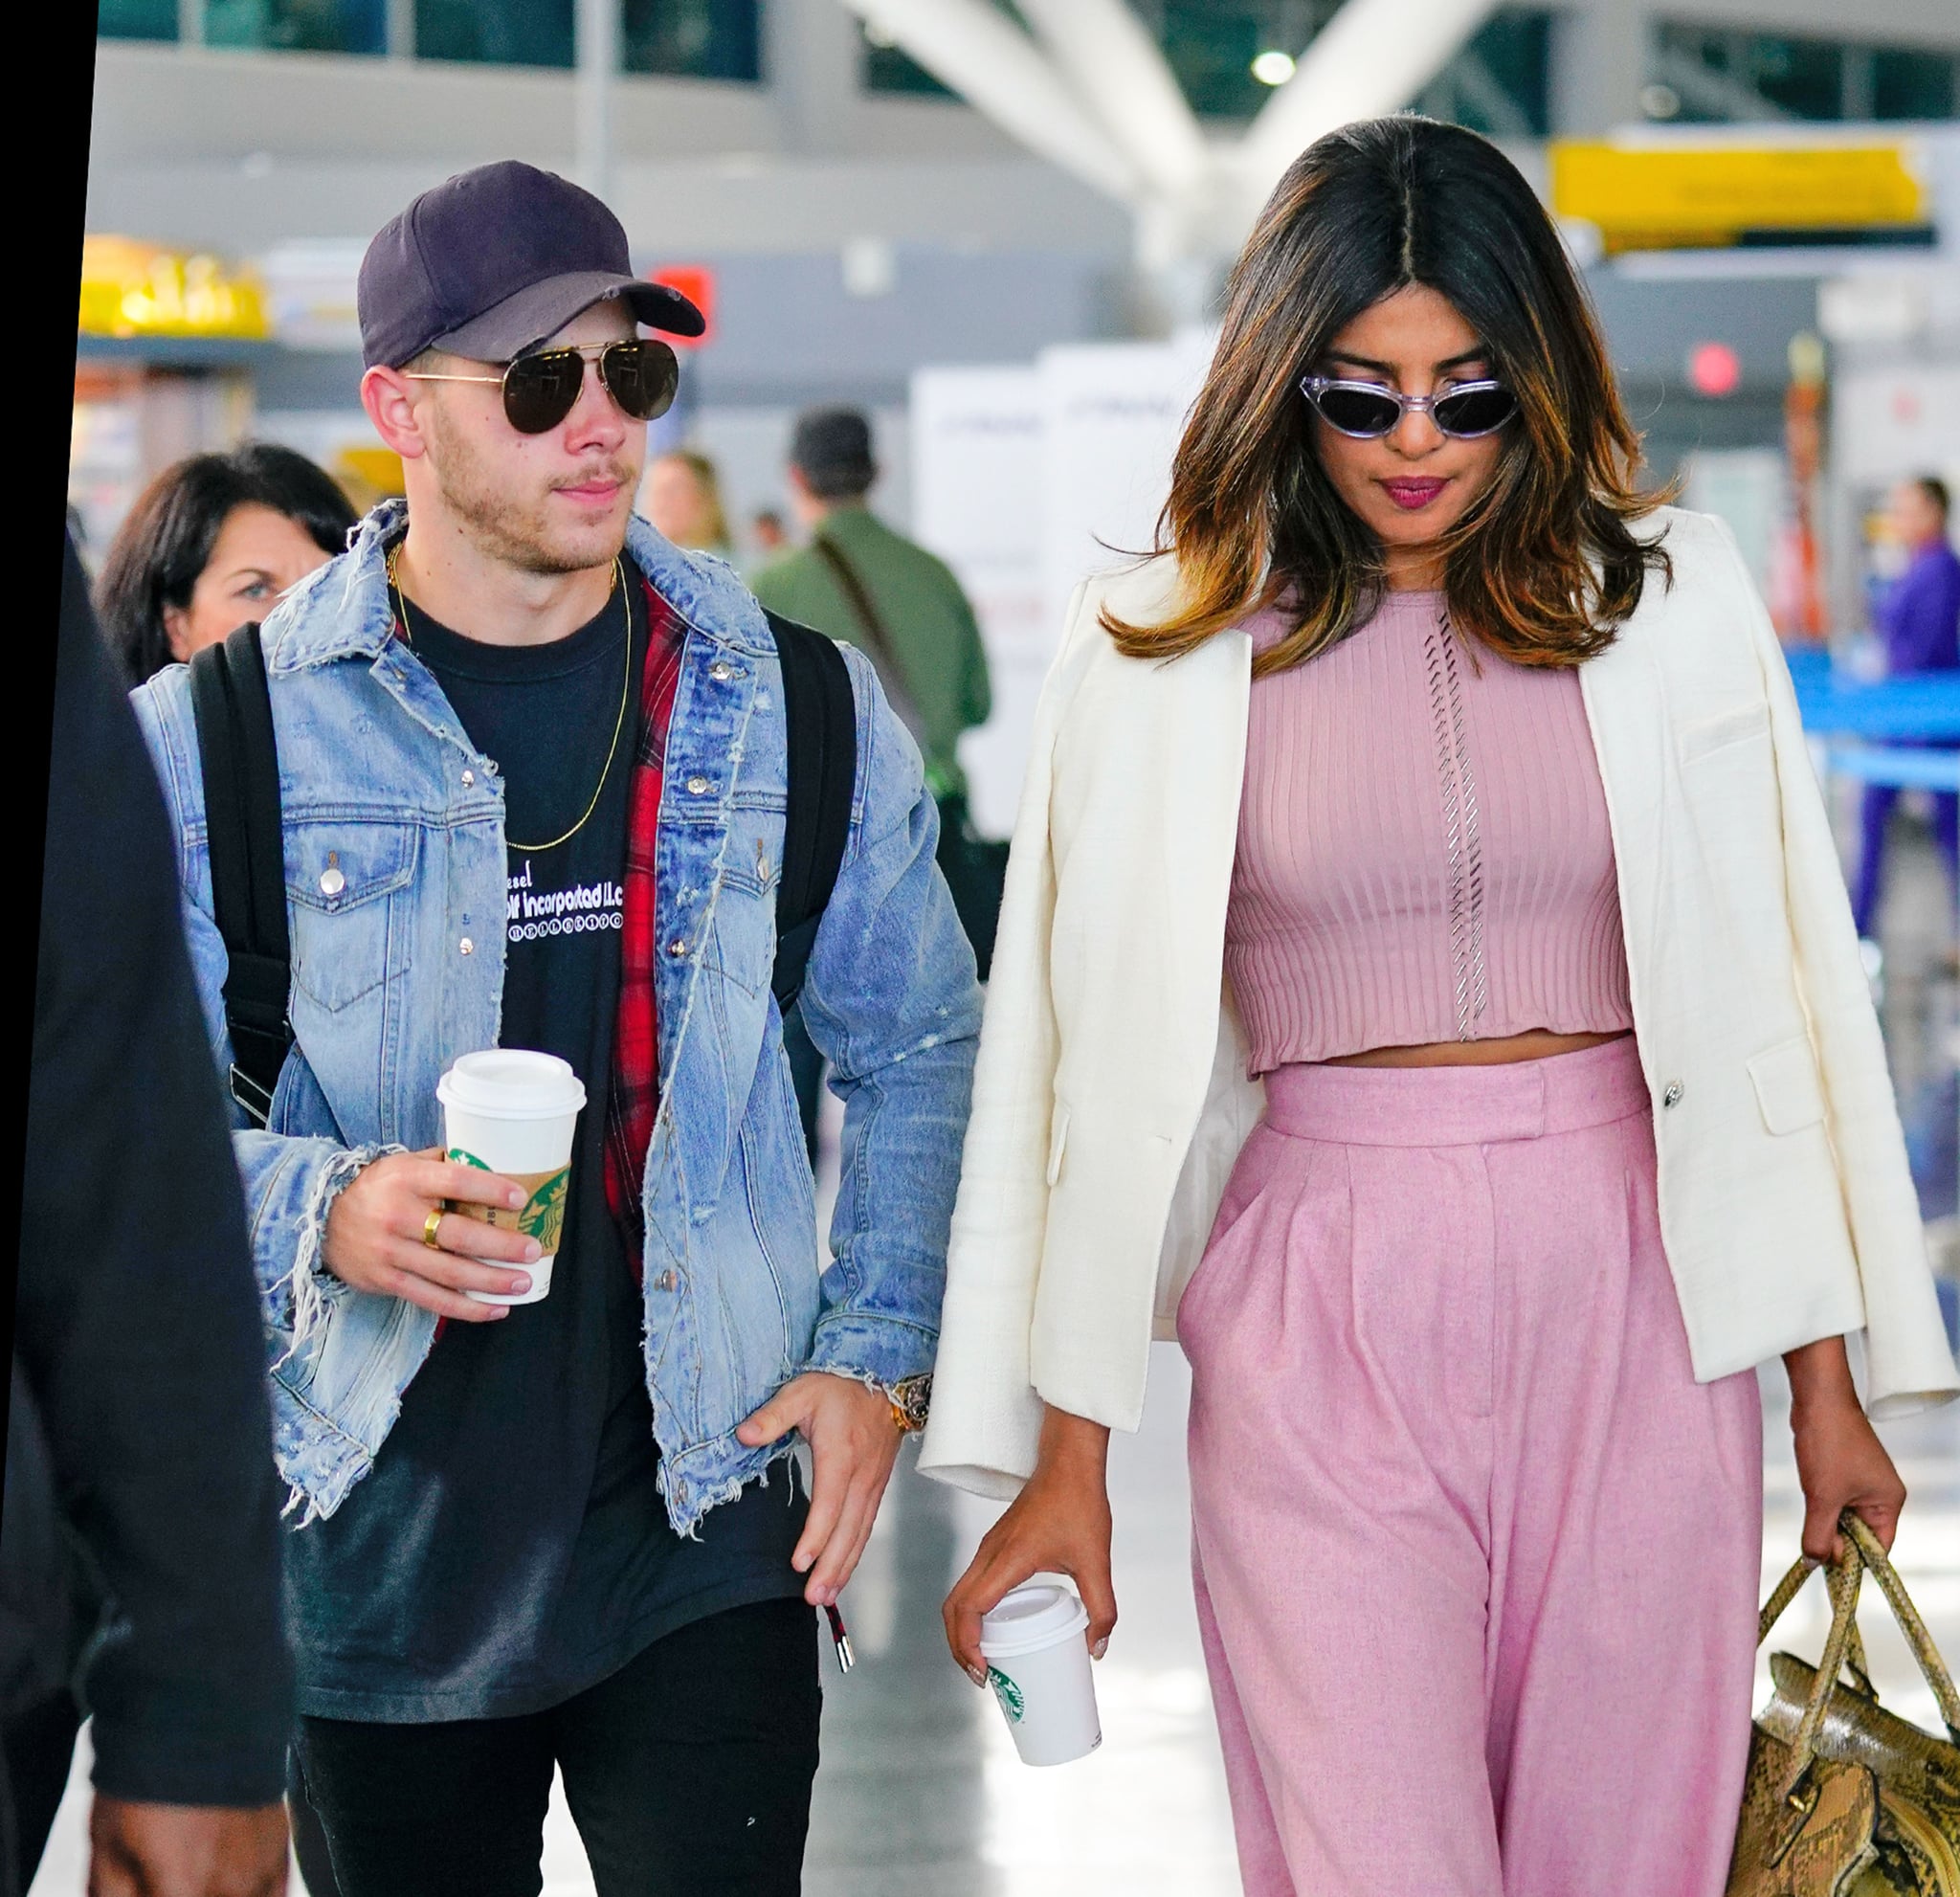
point(1544, 1101)
point(209, 545)
point(681, 495)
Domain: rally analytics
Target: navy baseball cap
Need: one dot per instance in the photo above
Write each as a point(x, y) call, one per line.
point(494, 260)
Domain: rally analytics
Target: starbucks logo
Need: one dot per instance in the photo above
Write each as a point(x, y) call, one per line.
point(1007, 1694)
point(543, 1217)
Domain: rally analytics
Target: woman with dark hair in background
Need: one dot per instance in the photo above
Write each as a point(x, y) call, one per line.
point(1546, 1099)
point(211, 544)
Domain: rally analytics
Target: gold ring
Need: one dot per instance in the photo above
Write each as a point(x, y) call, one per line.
point(429, 1226)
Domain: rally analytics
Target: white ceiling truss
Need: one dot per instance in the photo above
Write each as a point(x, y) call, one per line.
point(1086, 87)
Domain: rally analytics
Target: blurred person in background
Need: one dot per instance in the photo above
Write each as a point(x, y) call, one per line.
point(681, 495)
point(569, 1534)
point(767, 530)
point(141, 1519)
point(1918, 622)
point(862, 581)
point(1430, 790)
point(209, 545)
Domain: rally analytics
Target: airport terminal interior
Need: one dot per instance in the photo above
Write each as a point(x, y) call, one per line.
point(1000, 231)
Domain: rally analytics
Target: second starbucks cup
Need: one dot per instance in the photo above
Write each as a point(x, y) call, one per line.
point(1037, 1664)
point(512, 1111)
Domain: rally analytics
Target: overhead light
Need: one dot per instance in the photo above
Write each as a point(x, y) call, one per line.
point(1273, 67)
point(1660, 102)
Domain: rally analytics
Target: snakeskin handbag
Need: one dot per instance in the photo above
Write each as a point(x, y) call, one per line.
point(1842, 1797)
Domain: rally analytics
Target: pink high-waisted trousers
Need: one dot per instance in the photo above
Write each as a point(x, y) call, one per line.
point(1477, 1558)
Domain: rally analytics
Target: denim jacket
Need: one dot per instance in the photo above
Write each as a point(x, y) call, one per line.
point(398, 968)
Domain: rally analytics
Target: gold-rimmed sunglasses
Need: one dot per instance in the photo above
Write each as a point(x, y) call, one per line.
point(540, 390)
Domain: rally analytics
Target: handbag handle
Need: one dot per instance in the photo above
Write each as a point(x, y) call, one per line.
point(1842, 1578)
point(1784, 1593)
point(1931, 1666)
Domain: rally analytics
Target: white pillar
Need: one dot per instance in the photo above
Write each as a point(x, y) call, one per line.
point(1598, 66)
point(596, 26)
point(811, 64)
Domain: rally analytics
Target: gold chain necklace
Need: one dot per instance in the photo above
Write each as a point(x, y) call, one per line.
point(401, 606)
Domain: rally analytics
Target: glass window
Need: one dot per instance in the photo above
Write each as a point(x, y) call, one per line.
point(1711, 75)
point(495, 33)
point(704, 39)
point(299, 26)
point(1500, 84)
point(884, 68)
point(1804, 77)
point(1909, 84)
point(137, 20)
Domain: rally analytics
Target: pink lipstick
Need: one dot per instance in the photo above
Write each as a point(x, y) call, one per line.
point(1410, 491)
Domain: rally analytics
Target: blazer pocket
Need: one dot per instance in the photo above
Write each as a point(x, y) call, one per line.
point(1058, 1139)
point(1788, 1090)
point(1725, 729)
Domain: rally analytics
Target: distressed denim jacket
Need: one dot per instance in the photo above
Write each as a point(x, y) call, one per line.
point(398, 968)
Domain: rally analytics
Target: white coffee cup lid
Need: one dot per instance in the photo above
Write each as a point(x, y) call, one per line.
point(512, 1084)
point(1041, 1614)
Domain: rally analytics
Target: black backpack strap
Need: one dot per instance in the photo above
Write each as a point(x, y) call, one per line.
point(821, 714)
point(246, 841)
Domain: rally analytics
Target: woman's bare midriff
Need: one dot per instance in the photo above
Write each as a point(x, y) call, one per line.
point(1534, 1044)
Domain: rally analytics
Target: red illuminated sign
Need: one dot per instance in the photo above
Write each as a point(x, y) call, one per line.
point(697, 283)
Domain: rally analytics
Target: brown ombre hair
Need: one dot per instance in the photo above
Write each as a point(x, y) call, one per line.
point(1544, 563)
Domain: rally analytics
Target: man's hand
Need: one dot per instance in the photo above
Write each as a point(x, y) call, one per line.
point(853, 1444)
point(143, 1850)
point(1840, 1460)
point(375, 1235)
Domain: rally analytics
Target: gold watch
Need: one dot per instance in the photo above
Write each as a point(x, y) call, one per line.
point(910, 1400)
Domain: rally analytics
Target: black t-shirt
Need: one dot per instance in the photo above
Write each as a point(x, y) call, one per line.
point(509, 1547)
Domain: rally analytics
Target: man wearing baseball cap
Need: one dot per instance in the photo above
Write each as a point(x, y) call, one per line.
point(534, 781)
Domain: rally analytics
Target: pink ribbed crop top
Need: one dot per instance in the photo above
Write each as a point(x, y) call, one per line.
point(1423, 849)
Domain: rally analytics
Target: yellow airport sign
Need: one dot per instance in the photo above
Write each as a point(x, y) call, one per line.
point(1648, 197)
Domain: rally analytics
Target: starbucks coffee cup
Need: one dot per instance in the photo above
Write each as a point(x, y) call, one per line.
point(1037, 1664)
point(514, 1112)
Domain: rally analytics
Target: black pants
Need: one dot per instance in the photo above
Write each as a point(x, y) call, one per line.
point(38, 1747)
point(688, 1773)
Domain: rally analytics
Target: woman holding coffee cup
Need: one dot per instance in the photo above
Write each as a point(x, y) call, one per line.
point(1545, 1101)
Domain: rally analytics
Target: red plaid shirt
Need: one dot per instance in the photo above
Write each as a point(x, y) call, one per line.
point(635, 1091)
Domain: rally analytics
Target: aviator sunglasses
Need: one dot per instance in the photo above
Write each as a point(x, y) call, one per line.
point(542, 389)
point(1366, 410)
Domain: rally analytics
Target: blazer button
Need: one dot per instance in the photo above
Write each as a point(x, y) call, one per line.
point(466, 947)
point(1672, 1096)
point(677, 947)
point(667, 1280)
point(469, 779)
point(697, 786)
point(720, 670)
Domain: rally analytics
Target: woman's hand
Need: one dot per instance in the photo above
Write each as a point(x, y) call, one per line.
point(1840, 1460)
point(1058, 1524)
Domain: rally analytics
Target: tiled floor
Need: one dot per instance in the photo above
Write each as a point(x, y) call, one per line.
point(921, 1795)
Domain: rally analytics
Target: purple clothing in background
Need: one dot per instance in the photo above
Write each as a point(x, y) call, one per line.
point(1919, 616)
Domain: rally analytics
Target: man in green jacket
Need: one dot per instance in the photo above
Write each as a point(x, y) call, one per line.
point(858, 580)
point(902, 606)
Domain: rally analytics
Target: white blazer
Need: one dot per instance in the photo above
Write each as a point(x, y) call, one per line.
point(1111, 1099)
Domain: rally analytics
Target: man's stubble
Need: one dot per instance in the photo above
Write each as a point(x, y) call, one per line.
point(513, 526)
